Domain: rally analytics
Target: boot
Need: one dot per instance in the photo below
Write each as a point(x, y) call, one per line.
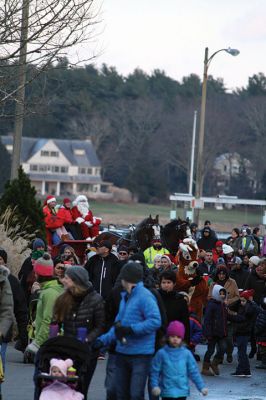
point(215, 366)
point(206, 369)
point(65, 237)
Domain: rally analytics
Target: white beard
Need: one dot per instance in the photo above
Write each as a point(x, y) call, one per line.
point(83, 209)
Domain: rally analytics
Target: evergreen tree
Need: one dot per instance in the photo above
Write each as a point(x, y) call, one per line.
point(20, 194)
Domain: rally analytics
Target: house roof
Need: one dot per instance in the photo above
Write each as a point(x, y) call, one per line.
point(30, 146)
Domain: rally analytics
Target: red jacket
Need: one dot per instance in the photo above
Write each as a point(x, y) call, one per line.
point(51, 220)
point(65, 214)
point(89, 217)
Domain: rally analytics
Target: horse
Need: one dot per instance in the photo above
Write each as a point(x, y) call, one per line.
point(145, 231)
point(174, 232)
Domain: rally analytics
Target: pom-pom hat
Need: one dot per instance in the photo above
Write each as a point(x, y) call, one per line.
point(61, 364)
point(44, 266)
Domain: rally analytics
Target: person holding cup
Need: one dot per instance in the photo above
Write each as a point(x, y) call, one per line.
point(80, 311)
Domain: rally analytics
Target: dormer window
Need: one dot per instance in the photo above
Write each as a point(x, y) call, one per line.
point(79, 152)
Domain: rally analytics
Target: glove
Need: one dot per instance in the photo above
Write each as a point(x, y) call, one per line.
point(97, 344)
point(89, 224)
point(156, 391)
point(79, 220)
point(32, 348)
point(122, 331)
point(204, 391)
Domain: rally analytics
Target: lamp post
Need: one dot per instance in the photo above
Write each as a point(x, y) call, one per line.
point(199, 170)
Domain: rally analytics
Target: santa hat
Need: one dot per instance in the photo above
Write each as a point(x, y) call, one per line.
point(247, 294)
point(63, 365)
point(176, 328)
point(49, 199)
point(44, 266)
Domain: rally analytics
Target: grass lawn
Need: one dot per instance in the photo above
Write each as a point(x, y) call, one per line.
point(248, 215)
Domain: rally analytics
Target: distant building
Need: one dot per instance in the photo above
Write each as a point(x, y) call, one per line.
point(229, 165)
point(61, 167)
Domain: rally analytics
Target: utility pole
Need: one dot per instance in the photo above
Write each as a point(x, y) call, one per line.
point(19, 109)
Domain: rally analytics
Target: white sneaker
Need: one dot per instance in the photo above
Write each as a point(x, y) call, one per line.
point(89, 239)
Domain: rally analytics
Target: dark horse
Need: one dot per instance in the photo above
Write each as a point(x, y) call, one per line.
point(139, 236)
point(174, 232)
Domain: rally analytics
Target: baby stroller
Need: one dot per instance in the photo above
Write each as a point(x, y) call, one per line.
point(62, 347)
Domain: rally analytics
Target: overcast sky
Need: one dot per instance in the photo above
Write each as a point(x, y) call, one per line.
point(172, 34)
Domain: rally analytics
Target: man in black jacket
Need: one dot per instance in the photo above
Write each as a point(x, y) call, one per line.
point(175, 305)
point(257, 281)
point(103, 269)
point(238, 273)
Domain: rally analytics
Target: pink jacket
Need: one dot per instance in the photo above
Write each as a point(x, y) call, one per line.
point(60, 391)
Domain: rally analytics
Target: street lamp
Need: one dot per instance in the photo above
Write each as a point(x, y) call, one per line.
point(199, 170)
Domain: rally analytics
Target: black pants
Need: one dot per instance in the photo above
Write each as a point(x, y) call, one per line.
point(173, 398)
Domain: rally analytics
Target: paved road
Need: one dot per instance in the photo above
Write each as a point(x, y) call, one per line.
point(19, 386)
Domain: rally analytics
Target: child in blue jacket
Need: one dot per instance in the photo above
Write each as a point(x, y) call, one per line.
point(172, 367)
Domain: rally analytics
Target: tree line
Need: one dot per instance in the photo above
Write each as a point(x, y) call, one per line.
point(141, 124)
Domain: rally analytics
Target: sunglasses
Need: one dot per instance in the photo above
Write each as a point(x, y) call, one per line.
point(123, 253)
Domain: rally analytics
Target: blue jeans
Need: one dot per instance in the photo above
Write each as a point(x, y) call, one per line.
point(243, 361)
point(131, 375)
point(3, 356)
point(110, 379)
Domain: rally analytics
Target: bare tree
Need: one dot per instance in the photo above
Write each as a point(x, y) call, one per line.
point(37, 32)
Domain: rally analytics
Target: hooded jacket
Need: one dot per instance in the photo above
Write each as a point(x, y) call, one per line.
point(6, 302)
point(207, 243)
point(215, 320)
point(258, 284)
point(245, 318)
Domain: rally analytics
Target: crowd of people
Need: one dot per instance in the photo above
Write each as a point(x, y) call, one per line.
point(123, 305)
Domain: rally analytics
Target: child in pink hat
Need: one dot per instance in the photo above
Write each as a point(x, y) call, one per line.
point(59, 390)
point(173, 365)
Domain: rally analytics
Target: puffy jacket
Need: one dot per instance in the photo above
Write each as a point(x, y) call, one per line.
point(215, 320)
point(258, 284)
point(50, 290)
point(103, 272)
point(65, 214)
point(171, 369)
point(140, 312)
point(260, 327)
point(89, 312)
point(6, 306)
point(244, 320)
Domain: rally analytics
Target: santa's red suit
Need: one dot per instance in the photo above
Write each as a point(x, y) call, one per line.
point(82, 215)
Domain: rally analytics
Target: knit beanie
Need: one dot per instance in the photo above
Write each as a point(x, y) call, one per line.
point(247, 293)
point(63, 365)
point(44, 266)
point(255, 260)
point(3, 254)
point(38, 243)
point(79, 275)
point(132, 272)
point(227, 249)
point(176, 328)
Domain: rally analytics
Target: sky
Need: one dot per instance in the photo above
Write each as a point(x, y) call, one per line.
point(171, 35)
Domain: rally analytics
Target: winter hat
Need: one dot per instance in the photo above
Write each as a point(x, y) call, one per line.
point(44, 266)
point(122, 248)
point(236, 260)
point(79, 275)
point(220, 262)
point(132, 272)
point(105, 243)
point(176, 328)
point(219, 243)
point(227, 249)
point(255, 260)
point(49, 199)
point(4, 272)
point(63, 365)
point(247, 293)
point(3, 254)
point(66, 200)
point(38, 243)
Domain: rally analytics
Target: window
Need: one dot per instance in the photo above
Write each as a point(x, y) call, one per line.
point(82, 170)
point(97, 171)
point(89, 171)
point(33, 167)
point(55, 168)
point(44, 153)
point(79, 152)
point(42, 168)
point(63, 170)
point(54, 153)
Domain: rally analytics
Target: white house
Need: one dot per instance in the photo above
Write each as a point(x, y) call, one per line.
point(61, 167)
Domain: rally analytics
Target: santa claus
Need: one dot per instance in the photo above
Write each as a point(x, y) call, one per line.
point(83, 216)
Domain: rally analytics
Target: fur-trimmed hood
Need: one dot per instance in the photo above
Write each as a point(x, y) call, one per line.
point(4, 272)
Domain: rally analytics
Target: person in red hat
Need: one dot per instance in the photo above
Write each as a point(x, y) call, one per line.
point(217, 251)
point(53, 222)
point(243, 315)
